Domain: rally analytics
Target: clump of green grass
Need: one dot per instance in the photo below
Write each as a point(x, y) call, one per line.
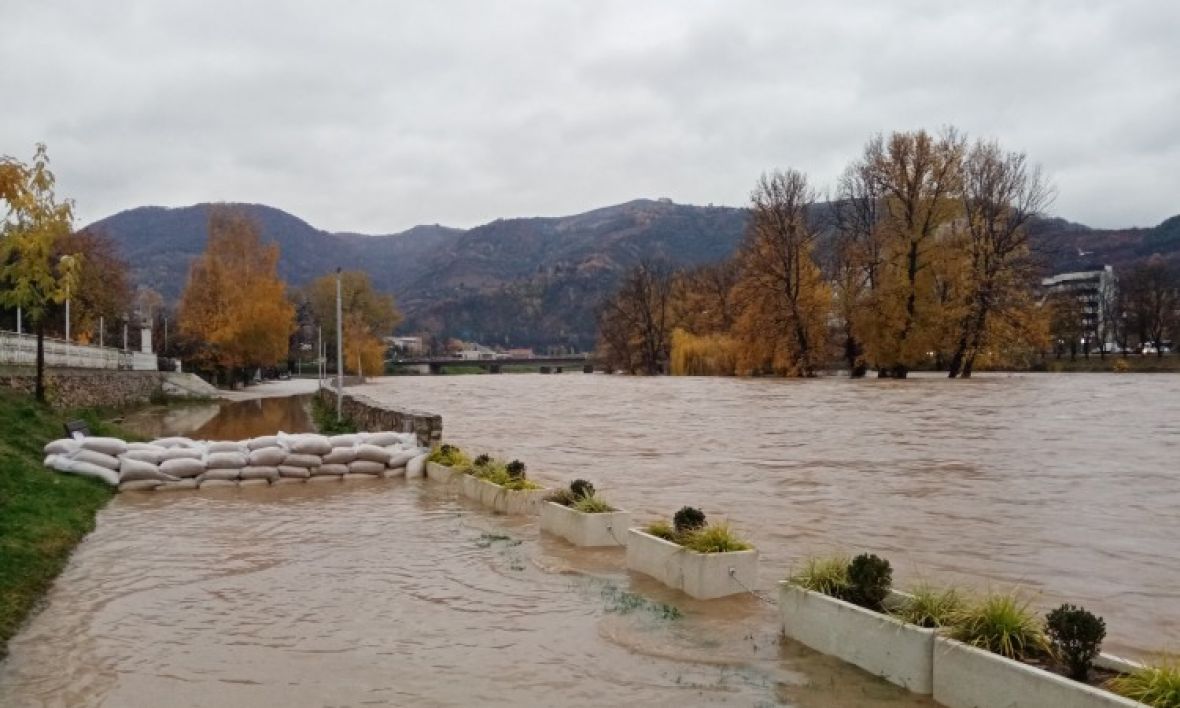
point(661, 529)
point(496, 472)
point(592, 504)
point(823, 574)
point(930, 607)
point(714, 539)
point(1003, 624)
point(450, 455)
point(1157, 686)
point(324, 417)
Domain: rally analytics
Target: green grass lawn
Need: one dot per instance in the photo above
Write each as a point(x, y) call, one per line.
point(43, 514)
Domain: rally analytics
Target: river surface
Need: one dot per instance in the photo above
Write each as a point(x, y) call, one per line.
point(399, 593)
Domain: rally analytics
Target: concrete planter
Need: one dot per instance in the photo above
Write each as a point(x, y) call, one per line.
point(966, 677)
point(700, 575)
point(900, 653)
point(440, 473)
point(581, 529)
point(501, 500)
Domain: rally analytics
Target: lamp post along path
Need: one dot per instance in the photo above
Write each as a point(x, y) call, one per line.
point(339, 350)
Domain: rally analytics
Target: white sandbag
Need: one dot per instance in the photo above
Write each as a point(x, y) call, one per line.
point(225, 460)
point(294, 472)
point(51, 461)
point(295, 459)
point(143, 455)
point(97, 458)
point(324, 478)
point(220, 475)
point(372, 453)
point(259, 472)
point(333, 470)
point(261, 482)
point(139, 485)
point(340, 456)
point(107, 446)
point(177, 486)
point(391, 473)
point(215, 483)
point(382, 439)
point(173, 442)
point(141, 446)
point(227, 446)
point(365, 467)
point(416, 467)
point(135, 470)
point(345, 440)
point(180, 453)
point(267, 456)
point(310, 444)
point(88, 469)
point(263, 441)
point(182, 467)
point(401, 459)
point(358, 476)
point(65, 446)
point(287, 480)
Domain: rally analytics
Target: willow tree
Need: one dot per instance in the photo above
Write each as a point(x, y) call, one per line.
point(234, 310)
point(781, 297)
point(1000, 195)
point(33, 275)
point(369, 315)
point(918, 177)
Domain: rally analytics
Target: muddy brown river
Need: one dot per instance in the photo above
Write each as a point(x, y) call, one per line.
point(399, 593)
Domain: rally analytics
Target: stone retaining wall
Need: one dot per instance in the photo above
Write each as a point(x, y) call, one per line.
point(370, 415)
point(89, 388)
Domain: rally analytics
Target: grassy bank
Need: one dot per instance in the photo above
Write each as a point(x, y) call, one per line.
point(43, 515)
point(1169, 363)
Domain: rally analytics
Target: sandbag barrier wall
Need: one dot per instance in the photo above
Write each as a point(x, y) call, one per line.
point(369, 414)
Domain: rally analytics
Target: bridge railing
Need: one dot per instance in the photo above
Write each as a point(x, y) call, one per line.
point(21, 350)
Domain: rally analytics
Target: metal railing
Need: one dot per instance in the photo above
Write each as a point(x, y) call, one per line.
point(21, 350)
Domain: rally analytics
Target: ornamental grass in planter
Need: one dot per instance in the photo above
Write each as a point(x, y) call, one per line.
point(501, 486)
point(583, 518)
point(703, 560)
point(445, 462)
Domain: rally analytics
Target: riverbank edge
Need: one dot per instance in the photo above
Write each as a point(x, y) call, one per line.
point(43, 515)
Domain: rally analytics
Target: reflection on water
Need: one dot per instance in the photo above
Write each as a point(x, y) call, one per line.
point(387, 593)
point(226, 420)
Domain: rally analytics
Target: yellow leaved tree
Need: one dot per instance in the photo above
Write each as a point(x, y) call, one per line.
point(369, 316)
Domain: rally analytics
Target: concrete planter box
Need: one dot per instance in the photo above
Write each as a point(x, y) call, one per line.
point(900, 653)
point(440, 473)
point(581, 529)
point(966, 677)
point(501, 500)
point(700, 575)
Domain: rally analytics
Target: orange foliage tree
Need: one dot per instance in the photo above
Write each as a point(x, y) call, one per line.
point(369, 316)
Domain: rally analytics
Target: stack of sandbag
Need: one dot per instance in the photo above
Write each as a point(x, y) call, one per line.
point(182, 463)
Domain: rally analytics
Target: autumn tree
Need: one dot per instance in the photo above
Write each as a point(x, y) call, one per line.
point(1000, 194)
point(635, 324)
point(369, 316)
point(1152, 300)
point(782, 299)
point(102, 291)
point(33, 276)
point(918, 177)
point(856, 257)
point(234, 310)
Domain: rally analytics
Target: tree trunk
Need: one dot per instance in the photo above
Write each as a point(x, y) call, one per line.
point(39, 386)
point(852, 353)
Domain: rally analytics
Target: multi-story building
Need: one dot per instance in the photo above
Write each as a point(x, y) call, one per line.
point(1094, 290)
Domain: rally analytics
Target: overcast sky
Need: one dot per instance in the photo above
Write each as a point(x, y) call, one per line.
point(384, 115)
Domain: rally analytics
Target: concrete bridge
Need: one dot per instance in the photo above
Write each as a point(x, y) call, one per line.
point(547, 364)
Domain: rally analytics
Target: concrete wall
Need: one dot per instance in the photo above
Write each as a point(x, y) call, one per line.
point(581, 529)
point(371, 415)
point(700, 575)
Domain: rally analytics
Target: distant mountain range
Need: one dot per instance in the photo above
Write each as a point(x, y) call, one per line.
point(531, 281)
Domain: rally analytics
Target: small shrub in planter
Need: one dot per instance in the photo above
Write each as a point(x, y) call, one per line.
point(1157, 686)
point(688, 519)
point(869, 580)
point(581, 488)
point(592, 505)
point(450, 455)
point(580, 496)
point(690, 529)
point(483, 460)
point(562, 496)
point(515, 469)
point(509, 476)
point(1002, 624)
point(930, 607)
point(1077, 635)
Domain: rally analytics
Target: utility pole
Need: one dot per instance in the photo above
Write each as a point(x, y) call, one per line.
point(339, 349)
point(69, 263)
point(19, 327)
point(319, 353)
point(101, 330)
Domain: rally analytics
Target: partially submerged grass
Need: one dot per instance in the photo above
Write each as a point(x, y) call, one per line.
point(43, 514)
point(1003, 624)
point(827, 575)
point(930, 607)
point(661, 529)
point(714, 539)
point(1157, 686)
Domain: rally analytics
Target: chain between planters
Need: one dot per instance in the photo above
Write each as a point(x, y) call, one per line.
point(755, 593)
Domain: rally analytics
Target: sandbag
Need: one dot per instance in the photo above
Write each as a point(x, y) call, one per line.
point(97, 458)
point(225, 460)
point(182, 467)
point(365, 467)
point(107, 446)
point(344, 440)
point(135, 470)
point(214, 483)
point(340, 456)
point(151, 456)
point(177, 485)
point(329, 470)
point(400, 459)
point(372, 453)
point(141, 446)
point(416, 467)
point(300, 460)
point(310, 444)
point(324, 478)
point(287, 480)
point(221, 475)
point(294, 472)
point(262, 482)
point(382, 439)
point(267, 456)
point(65, 446)
point(356, 476)
point(173, 442)
point(227, 446)
point(139, 485)
point(262, 441)
point(259, 472)
point(393, 472)
point(87, 469)
point(180, 453)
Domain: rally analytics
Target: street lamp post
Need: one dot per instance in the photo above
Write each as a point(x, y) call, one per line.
point(339, 349)
point(67, 260)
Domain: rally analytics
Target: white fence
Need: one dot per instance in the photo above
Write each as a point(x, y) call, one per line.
point(21, 350)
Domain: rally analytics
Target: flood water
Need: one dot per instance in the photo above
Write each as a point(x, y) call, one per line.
point(399, 593)
point(224, 420)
